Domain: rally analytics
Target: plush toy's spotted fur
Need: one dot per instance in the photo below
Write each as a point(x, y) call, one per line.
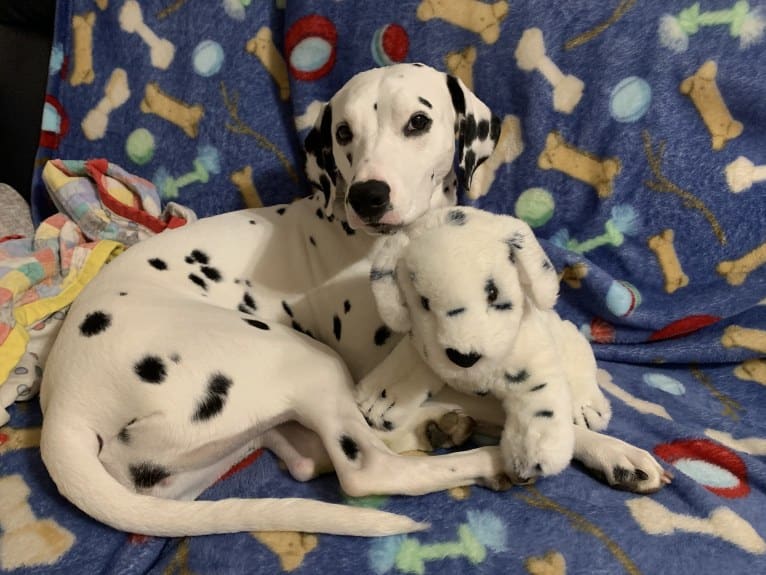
point(475, 292)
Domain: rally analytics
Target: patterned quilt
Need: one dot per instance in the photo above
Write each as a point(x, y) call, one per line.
point(633, 142)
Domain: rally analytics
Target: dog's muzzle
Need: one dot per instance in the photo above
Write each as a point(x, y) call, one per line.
point(370, 199)
point(465, 360)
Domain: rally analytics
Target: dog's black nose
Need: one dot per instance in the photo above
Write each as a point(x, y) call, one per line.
point(369, 199)
point(462, 359)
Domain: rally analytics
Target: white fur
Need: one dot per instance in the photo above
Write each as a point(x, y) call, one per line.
point(154, 405)
point(476, 293)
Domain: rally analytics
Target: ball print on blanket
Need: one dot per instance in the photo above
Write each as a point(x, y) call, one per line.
point(632, 143)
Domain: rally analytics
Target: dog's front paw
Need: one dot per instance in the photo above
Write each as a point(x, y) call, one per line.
point(387, 408)
point(542, 446)
point(634, 469)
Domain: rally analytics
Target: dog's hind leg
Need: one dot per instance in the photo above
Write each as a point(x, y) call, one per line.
point(365, 465)
point(300, 449)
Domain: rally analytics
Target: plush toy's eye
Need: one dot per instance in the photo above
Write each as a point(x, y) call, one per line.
point(425, 303)
point(491, 290)
point(419, 124)
point(343, 134)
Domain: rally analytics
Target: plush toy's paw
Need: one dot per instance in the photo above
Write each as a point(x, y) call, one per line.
point(387, 408)
point(451, 430)
point(592, 409)
point(630, 468)
point(543, 446)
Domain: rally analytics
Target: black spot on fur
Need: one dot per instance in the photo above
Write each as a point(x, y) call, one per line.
point(456, 93)
point(252, 222)
point(346, 228)
point(175, 358)
point(425, 303)
point(456, 311)
point(211, 273)
point(382, 334)
point(375, 106)
point(539, 387)
point(469, 164)
point(469, 130)
point(189, 260)
point(349, 447)
point(625, 476)
point(519, 377)
point(494, 129)
point(124, 435)
point(215, 398)
point(281, 211)
point(336, 327)
point(256, 323)
point(123, 293)
point(158, 264)
point(198, 280)
point(388, 425)
point(94, 323)
point(544, 413)
point(100, 443)
point(286, 307)
point(151, 369)
point(350, 159)
point(482, 130)
point(456, 217)
point(146, 475)
point(313, 241)
point(346, 306)
point(200, 257)
point(425, 102)
point(376, 274)
point(248, 300)
point(320, 213)
point(482, 392)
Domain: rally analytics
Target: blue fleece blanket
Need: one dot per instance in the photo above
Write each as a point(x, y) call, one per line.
point(634, 136)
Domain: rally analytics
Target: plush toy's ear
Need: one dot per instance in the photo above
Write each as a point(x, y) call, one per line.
point(321, 171)
point(536, 272)
point(477, 130)
point(385, 285)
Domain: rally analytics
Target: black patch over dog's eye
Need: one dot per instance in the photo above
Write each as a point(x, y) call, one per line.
point(419, 124)
point(491, 290)
point(343, 134)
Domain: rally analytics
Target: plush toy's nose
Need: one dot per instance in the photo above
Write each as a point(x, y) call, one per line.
point(462, 359)
point(369, 199)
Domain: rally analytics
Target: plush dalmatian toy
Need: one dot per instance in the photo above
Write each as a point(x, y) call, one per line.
point(475, 292)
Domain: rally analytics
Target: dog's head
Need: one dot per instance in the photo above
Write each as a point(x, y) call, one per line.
point(459, 281)
point(385, 143)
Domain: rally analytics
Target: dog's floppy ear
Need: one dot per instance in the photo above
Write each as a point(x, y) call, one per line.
point(536, 272)
point(321, 170)
point(385, 257)
point(477, 130)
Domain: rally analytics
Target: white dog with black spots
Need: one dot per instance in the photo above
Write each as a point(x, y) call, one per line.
point(249, 329)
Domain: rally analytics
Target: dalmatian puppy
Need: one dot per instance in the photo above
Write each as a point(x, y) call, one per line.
point(475, 292)
point(249, 329)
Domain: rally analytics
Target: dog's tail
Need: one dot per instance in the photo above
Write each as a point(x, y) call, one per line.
point(70, 453)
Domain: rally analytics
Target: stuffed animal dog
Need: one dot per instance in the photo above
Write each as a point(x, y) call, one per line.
point(243, 330)
point(475, 292)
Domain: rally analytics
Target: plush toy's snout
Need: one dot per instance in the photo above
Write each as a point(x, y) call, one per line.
point(464, 360)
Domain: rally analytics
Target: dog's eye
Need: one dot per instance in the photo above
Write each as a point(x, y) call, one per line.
point(491, 290)
point(419, 124)
point(343, 134)
point(425, 303)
